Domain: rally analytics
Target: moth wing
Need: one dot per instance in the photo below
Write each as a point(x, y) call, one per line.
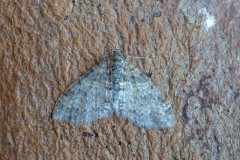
point(141, 102)
point(87, 100)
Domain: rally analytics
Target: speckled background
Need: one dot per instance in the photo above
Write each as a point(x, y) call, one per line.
point(46, 45)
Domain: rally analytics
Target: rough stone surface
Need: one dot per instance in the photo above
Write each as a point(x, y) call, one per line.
point(46, 45)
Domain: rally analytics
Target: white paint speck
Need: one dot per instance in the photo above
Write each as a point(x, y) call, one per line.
point(209, 20)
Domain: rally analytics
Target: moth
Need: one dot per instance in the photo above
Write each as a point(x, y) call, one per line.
point(116, 87)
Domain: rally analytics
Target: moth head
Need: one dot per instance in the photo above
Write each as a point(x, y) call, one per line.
point(117, 54)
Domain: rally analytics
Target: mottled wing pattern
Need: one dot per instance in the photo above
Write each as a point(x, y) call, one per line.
point(86, 100)
point(141, 102)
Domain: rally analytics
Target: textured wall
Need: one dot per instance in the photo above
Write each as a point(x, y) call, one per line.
point(191, 47)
